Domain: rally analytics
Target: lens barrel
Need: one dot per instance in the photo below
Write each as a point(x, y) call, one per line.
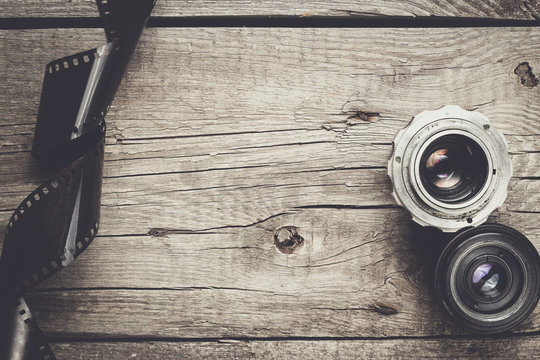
point(487, 279)
point(450, 168)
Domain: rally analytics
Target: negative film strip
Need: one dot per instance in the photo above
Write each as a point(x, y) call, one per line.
point(59, 219)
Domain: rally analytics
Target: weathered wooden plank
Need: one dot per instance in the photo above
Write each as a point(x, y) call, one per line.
point(524, 347)
point(241, 121)
point(235, 282)
point(497, 9)
point(358, 273)
point(217, 139)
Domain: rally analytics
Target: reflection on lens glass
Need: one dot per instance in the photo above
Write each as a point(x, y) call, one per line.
point(485, 277)
point(442, 169)
point(453, 168)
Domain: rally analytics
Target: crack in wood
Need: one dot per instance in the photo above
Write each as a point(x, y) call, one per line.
point(383, 309)
point(145, 339)
point(123, 139)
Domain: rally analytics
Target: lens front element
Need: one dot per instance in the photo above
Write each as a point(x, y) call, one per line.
point(441, 169)
point(486, 278)
point(453, 168)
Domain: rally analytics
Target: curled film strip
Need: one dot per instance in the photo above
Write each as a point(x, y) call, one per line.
point(60, 218)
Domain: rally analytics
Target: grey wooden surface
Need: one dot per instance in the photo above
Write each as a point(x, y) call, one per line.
point(493, 9)
point(219, 137)
point(503, 349)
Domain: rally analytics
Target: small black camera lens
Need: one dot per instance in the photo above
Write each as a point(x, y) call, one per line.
point(453, 168)
point(487, 279)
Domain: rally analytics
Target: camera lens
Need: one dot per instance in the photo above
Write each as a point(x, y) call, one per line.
point(450, 168)
point(453, 168)
point(487, 279)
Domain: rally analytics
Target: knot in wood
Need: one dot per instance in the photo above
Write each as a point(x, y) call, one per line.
point(355, 114)
point(525, 74)
point(287, 239)
point(156, 232)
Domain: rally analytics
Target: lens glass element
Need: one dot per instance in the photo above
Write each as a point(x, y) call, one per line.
point(442, 170)
point(453, 168)
point(486, 278)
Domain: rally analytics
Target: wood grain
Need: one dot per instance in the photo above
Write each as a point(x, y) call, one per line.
point(218, 137)
point(505, 348)
point(353, 276)
point(495, 9)
point(244, 131)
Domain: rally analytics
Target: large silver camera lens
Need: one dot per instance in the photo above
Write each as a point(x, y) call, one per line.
point(487, 279)
point(450, 168)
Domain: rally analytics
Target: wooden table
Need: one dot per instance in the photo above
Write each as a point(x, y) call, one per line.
point(222, 139)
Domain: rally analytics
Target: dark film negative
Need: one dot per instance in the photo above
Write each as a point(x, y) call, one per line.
point(59, 219)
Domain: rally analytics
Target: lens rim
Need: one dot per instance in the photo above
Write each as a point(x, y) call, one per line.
point(465, 252)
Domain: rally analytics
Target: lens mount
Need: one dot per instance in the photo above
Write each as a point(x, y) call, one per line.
point(487, 279)
point(450, 168)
